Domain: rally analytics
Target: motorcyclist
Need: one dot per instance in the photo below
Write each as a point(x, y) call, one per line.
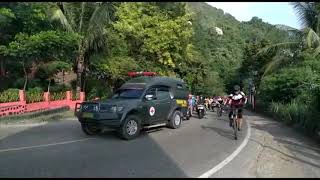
point(190, 104)
point(201, 101)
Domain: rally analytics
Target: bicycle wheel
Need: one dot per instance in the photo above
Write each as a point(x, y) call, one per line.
point(235, 127)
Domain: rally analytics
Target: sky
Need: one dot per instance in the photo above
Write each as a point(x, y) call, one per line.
point(271, 12)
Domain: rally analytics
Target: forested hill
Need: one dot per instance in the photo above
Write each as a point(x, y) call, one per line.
point(225, 52)
point(193, 41)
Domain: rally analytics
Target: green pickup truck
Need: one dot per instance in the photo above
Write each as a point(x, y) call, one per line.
point(141, 101)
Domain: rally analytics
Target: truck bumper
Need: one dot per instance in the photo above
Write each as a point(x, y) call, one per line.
point(111, 123)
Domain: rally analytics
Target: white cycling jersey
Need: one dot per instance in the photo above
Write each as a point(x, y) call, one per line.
point(237, 97)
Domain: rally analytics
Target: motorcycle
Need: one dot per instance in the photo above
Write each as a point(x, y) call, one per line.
point(200, 110)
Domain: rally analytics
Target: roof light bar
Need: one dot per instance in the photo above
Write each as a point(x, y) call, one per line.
point(131, 74)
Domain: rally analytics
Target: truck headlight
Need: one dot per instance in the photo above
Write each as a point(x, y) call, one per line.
point(115, 109)
point(120, 108)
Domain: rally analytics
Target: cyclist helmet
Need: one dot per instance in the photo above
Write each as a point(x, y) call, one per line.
point(236, 89)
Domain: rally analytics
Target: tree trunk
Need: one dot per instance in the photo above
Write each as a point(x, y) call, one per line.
point(34, 70)
point(84, 84)
point(80, 61)
point(62, 76)
point(26, 77)
point(2, 70)
point(49, 85)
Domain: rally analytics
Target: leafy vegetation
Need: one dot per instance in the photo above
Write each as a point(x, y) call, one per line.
point(287, 72)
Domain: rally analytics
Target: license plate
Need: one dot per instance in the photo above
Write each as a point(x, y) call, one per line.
point(200, 107)
point(87, 115)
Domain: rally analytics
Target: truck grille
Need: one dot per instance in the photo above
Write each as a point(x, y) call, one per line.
point(89, 107)
point(106, 108)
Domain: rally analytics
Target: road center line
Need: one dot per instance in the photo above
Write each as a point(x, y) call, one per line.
point(230, 157)
point(43, 145)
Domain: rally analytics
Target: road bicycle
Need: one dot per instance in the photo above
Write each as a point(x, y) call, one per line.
point(235, 124)
point(219, 110)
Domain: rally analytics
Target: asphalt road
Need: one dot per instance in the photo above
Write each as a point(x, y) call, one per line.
point(61, 149)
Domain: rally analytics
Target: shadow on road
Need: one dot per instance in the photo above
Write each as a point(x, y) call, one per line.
point(105, 155)
point(222, 132)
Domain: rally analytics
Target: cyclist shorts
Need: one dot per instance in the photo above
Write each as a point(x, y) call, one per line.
point(239, 113)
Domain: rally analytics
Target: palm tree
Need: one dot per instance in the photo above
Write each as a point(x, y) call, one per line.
point(308, 15)
point(88, 19)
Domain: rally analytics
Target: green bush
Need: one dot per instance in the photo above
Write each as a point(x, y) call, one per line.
point(285, 85)
point(59, 88)
point(9, 95)
point(101, 92)
point(54, 96)
point(34, 95)
point(75, 95)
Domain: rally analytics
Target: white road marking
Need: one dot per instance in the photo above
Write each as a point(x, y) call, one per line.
point(22, 125)
point(230, 157)
point(43, 145)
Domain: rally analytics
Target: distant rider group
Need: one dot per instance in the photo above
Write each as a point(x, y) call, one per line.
point(237, 99)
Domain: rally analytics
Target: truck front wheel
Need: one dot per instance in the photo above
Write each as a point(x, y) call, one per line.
point(130, 128)
point(175, 121)
point(89, 130)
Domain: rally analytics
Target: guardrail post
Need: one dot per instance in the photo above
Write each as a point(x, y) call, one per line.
point(46, 96)
point(68, 95)
point(21, 95)
point(82, 96)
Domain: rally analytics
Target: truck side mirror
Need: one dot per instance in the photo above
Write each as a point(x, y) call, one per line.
point(150, 97)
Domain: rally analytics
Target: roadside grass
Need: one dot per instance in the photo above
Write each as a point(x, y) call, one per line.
point(38, 117)
point(294, 114)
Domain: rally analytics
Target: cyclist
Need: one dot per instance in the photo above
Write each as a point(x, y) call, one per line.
point(210, 102)
point(206, 103)
point(237, 100)
point(219, 101)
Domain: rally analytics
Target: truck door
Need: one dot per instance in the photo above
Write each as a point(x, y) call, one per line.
point(149, 111)
point(163, 102)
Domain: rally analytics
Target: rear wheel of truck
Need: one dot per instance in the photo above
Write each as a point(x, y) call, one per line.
point(89, 129)
point(175, 121)
point(130, 128)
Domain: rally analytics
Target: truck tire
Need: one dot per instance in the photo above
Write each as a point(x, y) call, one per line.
point(89, 129)
point(130, 128)
point(175, 120)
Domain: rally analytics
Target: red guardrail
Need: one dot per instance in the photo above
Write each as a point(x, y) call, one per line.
point(20, 107)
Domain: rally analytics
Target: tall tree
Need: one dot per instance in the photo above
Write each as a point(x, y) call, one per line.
point(88, 19)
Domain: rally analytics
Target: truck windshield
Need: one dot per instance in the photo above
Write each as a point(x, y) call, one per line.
point(128, 93)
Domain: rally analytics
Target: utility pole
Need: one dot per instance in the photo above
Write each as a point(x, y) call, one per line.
point(252, 92)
